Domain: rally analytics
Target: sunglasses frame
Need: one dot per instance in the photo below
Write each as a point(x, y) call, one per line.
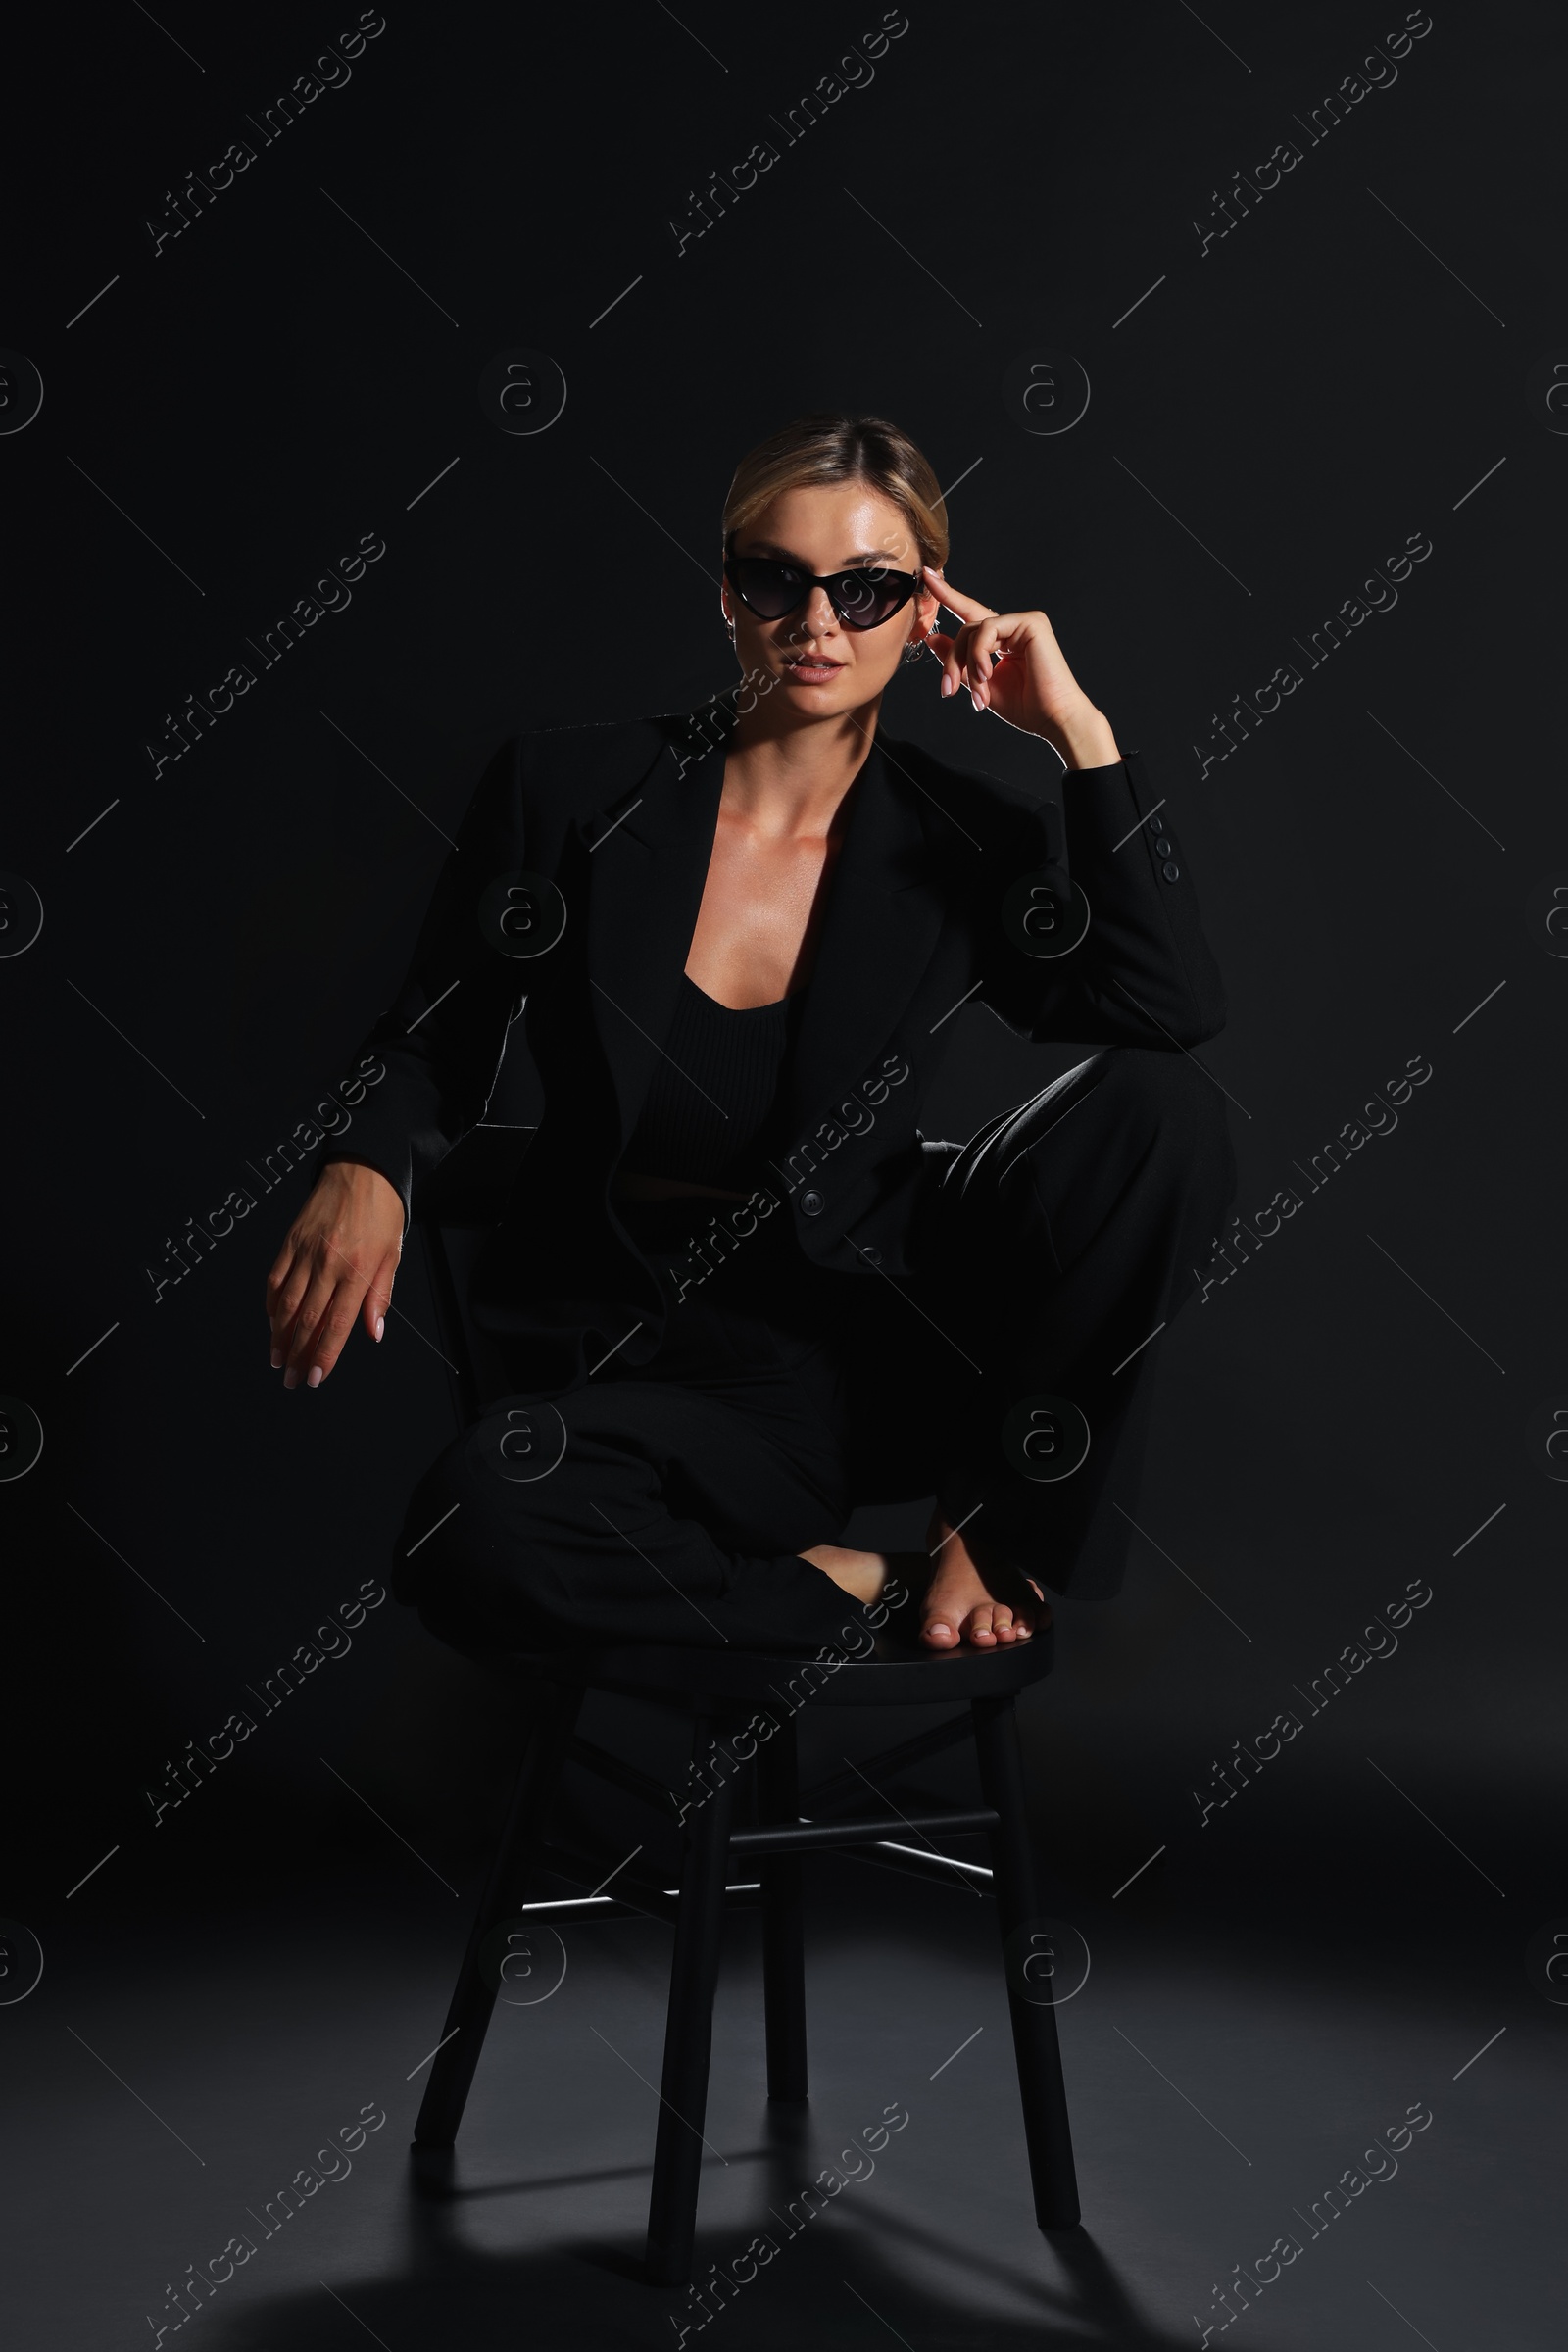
point(826, 582)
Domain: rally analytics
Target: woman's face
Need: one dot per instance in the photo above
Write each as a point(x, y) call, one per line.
point(817, 667)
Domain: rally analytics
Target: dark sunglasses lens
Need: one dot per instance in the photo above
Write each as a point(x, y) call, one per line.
point(767, 589)
point(864, 599)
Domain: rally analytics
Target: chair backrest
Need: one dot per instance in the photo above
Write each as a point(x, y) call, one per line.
point(455, 1211)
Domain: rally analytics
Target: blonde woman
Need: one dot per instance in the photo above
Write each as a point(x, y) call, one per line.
point(737, 1289)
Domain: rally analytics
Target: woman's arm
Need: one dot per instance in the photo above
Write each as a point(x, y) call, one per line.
point(441, 1041)
point(1143, 973)
point(442, 1037)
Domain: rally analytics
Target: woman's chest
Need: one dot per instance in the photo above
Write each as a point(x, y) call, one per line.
point(761, 911)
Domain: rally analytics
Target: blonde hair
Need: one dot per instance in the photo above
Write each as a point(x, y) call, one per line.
point(827, 447)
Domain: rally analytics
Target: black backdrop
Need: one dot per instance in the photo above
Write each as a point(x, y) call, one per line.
point(1364, 356)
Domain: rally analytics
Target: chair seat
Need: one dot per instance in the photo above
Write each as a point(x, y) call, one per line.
point(896, 1674)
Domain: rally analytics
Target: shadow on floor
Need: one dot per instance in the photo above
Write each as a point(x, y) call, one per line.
point(829, 2284)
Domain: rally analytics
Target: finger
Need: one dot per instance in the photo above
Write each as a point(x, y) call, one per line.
point(286, 1286)
point(332, 1334)
point(358, 1289)
point(965, 672)
point(276, 1277)
point(949, 651)
point(978, 660)
point(300, 1304)
point(377, 1304)
point(990, 643)
point(301, 1333)
point(965, 607)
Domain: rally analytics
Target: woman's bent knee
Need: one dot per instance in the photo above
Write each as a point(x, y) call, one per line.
point(468, 1533)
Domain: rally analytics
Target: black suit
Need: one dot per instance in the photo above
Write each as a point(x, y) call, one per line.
point(621, 820)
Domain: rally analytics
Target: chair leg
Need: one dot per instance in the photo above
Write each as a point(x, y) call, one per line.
point(463, 2036)
point(783, 1922)
point(1034, 2025)
point(689, 2030)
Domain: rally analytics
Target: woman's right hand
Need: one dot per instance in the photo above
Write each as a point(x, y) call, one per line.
point(338, 1262)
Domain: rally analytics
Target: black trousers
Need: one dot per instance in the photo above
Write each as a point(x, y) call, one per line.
point(1009, 1375)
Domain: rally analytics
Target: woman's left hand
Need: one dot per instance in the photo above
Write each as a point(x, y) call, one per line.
point(1011, 663)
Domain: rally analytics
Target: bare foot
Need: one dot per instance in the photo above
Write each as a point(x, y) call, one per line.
point(961, 1607)
point(860, 1573)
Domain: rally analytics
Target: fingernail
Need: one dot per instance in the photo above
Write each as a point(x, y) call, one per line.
point(313, 1378)
point(380, 1324)
point(291, 1379)
point(947, 686)
point(277, 1359)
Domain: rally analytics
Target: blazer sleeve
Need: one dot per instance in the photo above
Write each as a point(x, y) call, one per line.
point(442, 1038)
point(1142, 974)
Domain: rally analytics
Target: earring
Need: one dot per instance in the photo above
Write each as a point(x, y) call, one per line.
point(914, 649)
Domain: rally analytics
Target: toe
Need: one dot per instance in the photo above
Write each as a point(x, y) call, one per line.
point(977, 1625)
point(1002, 1624)
point(939, 1633)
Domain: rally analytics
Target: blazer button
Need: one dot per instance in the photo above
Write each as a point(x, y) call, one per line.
point(1171, 869)
point(1162, 848)
point(873, 1258)
point(812, 1203)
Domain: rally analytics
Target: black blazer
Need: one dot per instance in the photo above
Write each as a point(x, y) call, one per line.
point(620, 819)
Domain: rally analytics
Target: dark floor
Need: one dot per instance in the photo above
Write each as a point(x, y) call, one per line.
point(1239, 2040)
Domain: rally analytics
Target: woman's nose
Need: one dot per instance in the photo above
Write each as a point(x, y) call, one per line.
point(819, 619)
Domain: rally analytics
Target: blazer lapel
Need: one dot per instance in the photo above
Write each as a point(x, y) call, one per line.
point(648, 854)
point(880, 926)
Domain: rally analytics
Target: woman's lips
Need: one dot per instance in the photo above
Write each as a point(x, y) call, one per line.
point(811, 672)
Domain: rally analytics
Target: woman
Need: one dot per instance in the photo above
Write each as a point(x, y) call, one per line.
point(736, 1291)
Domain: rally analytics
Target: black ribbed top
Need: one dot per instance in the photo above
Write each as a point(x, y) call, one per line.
point(717, 1091)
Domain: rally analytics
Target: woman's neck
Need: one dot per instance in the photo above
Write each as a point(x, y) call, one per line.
point(788, 774)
